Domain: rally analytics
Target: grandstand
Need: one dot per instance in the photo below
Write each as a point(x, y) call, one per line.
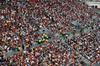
point(49, 33)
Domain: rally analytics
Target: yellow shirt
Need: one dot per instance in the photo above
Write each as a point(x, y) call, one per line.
point(5, 24)
point(43, 34)
point(75, 56)
point(32, 49)
point(20, 34)
point(53, 60)
point(47, 14)
point(18, 48)
point(26, 45)
point(46, 40)
point(39, 40)
point(61, 25)
point(35, 48)
point(50, 3)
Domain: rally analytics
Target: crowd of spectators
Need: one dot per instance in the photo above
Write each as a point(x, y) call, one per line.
point(51, 54)
point(21, 20)
point(87, 45)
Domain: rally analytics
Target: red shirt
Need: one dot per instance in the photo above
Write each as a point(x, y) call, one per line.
point(2, 22)
point(48, 45)
point(63, 31)
point(43, 15)
point(97, 60)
